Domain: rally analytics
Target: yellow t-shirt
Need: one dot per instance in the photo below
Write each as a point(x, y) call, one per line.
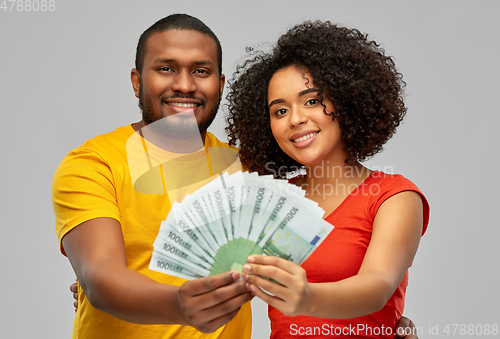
point(120, 175)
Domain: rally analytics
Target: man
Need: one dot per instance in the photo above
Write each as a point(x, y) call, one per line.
point(107, 227)
point(111, 194)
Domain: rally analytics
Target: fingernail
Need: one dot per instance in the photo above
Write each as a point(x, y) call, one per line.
point(247, 268)
point(250, 259)
point(236, 275)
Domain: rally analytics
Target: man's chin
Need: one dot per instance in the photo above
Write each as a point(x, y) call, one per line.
point(181, 127)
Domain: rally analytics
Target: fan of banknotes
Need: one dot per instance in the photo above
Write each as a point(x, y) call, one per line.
point(216, 228)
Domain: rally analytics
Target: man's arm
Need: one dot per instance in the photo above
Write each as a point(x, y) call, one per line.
point(96, 251)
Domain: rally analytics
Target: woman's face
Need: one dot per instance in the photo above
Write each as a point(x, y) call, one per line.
point(298, 122)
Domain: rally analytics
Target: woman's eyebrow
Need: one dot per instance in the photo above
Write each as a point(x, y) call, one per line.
point(307, 91)
point(301, 93)
point(276, 101)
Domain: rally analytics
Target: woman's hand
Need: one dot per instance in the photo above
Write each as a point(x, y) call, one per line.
point(291, 289)
point(74, 289)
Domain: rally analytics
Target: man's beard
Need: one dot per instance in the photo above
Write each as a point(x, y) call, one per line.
point(175, 126)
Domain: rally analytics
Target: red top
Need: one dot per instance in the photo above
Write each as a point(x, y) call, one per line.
point(340, 257)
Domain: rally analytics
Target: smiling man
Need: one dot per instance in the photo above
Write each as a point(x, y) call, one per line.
point(180, 73)
point(111, 194)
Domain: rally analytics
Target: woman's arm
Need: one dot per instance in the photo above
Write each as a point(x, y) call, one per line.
point(397, 229)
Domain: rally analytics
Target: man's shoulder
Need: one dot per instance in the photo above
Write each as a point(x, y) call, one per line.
point(212, 141)
point(120, 134)
point(110, 141)
point(105, 147)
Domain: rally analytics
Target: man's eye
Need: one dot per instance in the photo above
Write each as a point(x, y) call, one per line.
point(201, 71)
point(166, 69)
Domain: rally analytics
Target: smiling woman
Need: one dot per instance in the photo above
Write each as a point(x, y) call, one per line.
point(327, 98)
point(296, 105)
point(362, 83)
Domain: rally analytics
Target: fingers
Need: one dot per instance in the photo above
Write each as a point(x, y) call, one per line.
point(272, 300)
point(406, 329)
point(213, 325)
point(211, 298)
point(207, 284)
point(288, 285)
point(282, 271)
point(208, 303)
point(283, 299)
point(275, 289)
point(285, 265)
point(74, 288)
point(210, 319)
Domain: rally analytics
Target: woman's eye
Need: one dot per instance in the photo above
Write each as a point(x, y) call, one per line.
point(312, 102)
point(281, 111)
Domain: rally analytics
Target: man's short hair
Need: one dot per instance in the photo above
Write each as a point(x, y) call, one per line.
point(175, 21)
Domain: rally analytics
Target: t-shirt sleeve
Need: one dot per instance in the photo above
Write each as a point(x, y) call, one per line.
point(83, 189)
point(395, 184)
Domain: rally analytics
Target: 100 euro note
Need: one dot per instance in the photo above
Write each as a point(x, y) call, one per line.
point(216, 228)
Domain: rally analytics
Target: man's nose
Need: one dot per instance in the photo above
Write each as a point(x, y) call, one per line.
point(184, 83)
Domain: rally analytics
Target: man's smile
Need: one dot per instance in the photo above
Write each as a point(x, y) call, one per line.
point(180, 105)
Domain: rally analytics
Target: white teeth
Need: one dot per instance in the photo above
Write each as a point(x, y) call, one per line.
point(181, 104)
point(305, 137)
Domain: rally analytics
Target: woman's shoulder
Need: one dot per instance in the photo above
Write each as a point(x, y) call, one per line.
point(383, 186)
point(390, 181)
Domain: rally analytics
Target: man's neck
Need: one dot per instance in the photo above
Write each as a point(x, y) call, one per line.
point(170, 144)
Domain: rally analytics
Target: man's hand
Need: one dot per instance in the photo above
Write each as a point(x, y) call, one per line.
point(211, 302)
point(406, 329)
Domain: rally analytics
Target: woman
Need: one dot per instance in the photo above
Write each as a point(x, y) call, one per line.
point(327, 98)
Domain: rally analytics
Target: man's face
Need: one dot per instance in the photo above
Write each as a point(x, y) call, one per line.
point(180, 76)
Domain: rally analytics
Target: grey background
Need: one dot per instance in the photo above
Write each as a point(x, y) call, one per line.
point(65, 77)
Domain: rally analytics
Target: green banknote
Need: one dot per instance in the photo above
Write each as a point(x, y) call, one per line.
point(216, 228)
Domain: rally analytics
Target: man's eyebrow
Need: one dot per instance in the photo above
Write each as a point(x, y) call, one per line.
point(163, 61)
point(204, 63)
point(301, 93)
point(198, 63)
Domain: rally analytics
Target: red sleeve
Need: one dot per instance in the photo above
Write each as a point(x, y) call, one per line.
point(390, 185)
